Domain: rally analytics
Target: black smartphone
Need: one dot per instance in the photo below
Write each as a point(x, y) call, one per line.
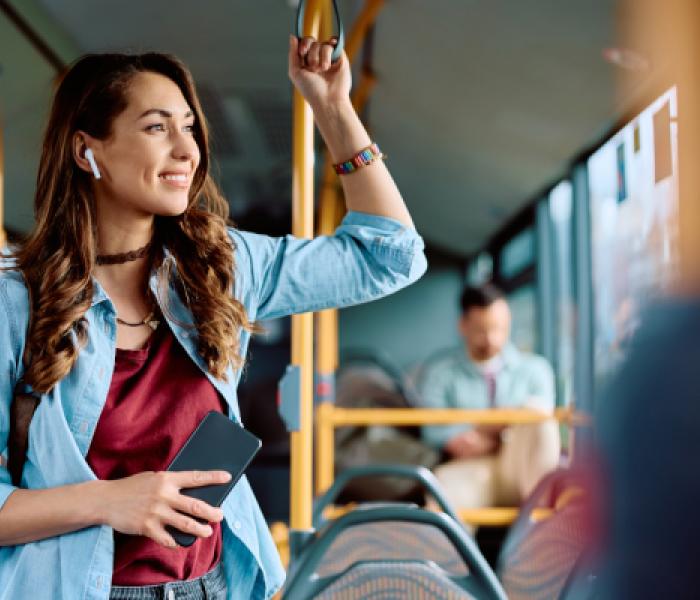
point(216, 444)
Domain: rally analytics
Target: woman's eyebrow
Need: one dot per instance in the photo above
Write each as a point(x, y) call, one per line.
point(163, 113)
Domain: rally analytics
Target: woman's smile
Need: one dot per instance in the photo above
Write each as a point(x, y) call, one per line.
point(177, 179)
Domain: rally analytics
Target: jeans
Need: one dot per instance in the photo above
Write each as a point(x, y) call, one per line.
point(210, 586)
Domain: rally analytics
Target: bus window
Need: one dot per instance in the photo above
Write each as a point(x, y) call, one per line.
point(517, 254)
point(523, 305)
point(634, 227)
point(561, 201)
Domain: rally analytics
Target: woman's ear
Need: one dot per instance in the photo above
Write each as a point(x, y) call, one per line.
point(81, 142)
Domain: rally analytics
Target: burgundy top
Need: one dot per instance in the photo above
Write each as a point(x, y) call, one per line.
point(156, 399)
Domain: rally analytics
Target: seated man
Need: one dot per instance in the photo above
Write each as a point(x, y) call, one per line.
point(495, 465)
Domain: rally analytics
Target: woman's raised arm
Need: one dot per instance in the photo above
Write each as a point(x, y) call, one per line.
point(326, 87)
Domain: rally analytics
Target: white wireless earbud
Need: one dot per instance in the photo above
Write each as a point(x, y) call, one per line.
point(93, 165)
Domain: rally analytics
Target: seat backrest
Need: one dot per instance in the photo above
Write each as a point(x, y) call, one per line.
point(546, 494)
point(401, 567)
point(375, 580)
point(540, 554)
point(392, 540)
point(367, 381)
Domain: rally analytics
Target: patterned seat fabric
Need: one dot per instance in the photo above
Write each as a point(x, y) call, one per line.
point(394, 581)
point(538, 556)
point(538, 566)
point(392, 540)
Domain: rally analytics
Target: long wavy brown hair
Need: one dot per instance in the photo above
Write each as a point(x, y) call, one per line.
point(58, 257)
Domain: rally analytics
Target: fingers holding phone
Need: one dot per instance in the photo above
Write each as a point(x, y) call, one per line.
point(175, 506)
point(147, 503)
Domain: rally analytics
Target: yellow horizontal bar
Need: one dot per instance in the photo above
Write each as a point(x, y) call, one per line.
point(499, 516)
point(541, 514)
point(441, 416)
point(334, 511)
point(493, 517)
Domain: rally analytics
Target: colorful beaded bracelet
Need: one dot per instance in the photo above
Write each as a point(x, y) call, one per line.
point(364, 157)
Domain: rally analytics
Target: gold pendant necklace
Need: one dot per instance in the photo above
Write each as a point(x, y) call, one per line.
point(148, 320)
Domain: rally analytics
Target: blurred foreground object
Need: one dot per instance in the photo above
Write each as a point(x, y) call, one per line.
point(649, 424)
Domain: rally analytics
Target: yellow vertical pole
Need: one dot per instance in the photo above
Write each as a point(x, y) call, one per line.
point(325, 446)
point(326, 320)
point(302, 325)
point(325, 29)
point(327, 343)
point(331, 210)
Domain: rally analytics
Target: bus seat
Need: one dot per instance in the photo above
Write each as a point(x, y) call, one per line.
point(370, 580)
point(369, 380)
point(392, 541)
point(539, 555)
point(397, 566)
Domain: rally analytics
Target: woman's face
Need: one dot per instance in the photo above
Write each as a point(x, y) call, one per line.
point(149, 160)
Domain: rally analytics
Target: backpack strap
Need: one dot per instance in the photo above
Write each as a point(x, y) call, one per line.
point(22, 409)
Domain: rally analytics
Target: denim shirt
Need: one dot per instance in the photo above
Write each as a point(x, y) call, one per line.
point(452, 380)
point(368, 257)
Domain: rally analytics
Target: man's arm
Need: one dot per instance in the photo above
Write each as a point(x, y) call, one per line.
point(460, 440)
point(473, 443)
point(541, 393)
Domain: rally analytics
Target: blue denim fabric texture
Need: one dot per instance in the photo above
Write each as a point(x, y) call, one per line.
point(210, 586)
point(367, 257)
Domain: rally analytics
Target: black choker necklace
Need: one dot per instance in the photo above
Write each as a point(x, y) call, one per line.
point(117, 259)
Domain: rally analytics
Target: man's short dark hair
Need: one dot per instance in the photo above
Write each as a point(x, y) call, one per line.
point(480, 297)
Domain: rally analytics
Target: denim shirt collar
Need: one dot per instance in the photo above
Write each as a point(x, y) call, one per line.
point(181, 322)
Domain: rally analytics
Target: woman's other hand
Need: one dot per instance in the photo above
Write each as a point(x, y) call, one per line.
point(145, 503)
point(321, 82)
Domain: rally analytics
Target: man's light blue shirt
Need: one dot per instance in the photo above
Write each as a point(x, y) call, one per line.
point(452, 380)
point(368, 257)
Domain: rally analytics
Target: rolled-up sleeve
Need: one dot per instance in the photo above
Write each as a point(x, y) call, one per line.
point(10, 350)
point(367, 257)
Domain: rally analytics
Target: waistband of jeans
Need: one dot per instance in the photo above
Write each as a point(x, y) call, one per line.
point(211, 582)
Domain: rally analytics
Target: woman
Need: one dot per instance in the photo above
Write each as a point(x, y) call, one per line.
point(129, 310)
